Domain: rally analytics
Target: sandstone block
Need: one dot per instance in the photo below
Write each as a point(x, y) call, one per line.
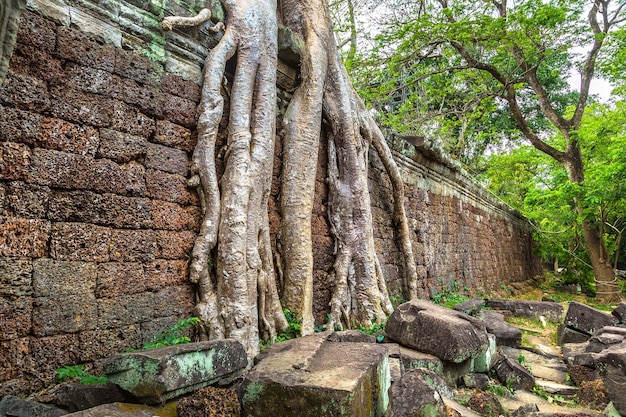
point(471, 307)
point(506, 334)
point(605, 338)
point(620, 313)
point(612, 365)
point(587, 319)
point(512, 374)
point(160, 374)
point(417, 395)
point(110, 410)
point(450, 335)
point(549, 310)
point(310, 376)
point(566, 334)
point(174, 136)
point(412, 359)
point(77, 397)
point(14, 406)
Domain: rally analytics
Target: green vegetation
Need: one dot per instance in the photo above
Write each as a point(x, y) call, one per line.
point(79, 373)
point(175, 335)
point(293, 330)
point(491, 84)
point(451, 295)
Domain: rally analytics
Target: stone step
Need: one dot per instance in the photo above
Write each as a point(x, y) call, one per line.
point(555, 388)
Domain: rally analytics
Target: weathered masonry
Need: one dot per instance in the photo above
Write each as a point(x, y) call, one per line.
point(97, 118)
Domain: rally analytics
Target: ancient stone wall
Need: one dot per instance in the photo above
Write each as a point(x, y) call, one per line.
point(96, 219)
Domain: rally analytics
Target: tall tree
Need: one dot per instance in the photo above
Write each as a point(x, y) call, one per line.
point(239, 299)
point(523, 53)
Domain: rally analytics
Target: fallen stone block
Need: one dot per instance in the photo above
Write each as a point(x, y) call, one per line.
point(450, 335)
point(412, 359)
point(572, 350)
point(512, 374)
point(556, 388)
point(506, 334)
point(77, 397)
point(351, 336)
point(484, 361)
point(551, 311)
point(566, 334)
point(587, 319)
point(611, 363)
point(620, 313)
point(471, 307)
point(312, 377)
point(476, 380)
point(605, 338)
point(161, 374)
point(419, 393)
point(12, 406)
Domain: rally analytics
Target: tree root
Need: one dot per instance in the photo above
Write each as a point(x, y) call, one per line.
point(239, 299)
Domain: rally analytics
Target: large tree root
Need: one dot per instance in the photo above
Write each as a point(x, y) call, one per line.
point(242, 292)
point(239, 299)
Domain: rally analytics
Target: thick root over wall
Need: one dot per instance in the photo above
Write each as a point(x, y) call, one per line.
point(239, 298)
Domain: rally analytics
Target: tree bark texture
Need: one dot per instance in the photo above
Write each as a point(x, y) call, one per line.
point(239, 297)
point(10, 14)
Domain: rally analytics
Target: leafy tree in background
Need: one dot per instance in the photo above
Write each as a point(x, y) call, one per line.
point(488, 74)
point(538, 186)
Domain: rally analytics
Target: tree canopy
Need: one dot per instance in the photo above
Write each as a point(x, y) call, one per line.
point(486, 77)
